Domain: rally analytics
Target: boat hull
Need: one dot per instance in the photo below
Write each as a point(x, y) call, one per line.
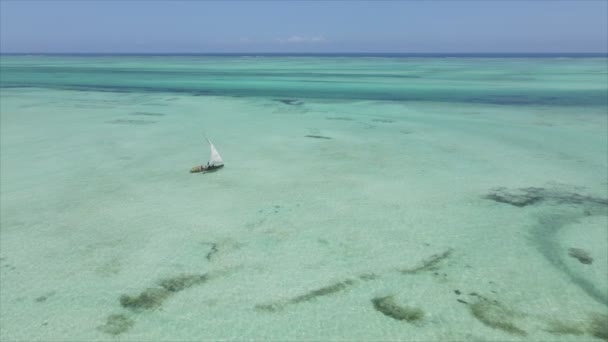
point(204, 168)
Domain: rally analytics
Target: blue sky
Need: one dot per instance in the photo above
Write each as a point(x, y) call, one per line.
point(303, 26)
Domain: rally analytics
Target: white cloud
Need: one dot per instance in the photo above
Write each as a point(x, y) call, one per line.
point(294, 39)
point(301, 39)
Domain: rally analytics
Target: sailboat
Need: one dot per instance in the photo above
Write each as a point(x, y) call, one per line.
point(215, 161)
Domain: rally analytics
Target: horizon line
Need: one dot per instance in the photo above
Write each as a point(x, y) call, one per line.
point(308, 53)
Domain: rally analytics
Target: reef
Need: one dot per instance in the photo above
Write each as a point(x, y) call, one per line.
point(532, 195)
point(131, 122)
point(544, 235)
point(45, 296)
point(432, 263)
point(598, 326)
point(182, 282)
point(575, 206)
point(320, 292)
point(518, 198)
point(211, 254)
point(147, 114)
point(317, 136)
point(557, 327)
point(581, 255)
point(368, 276)
point(387, 306)
point(116, 324)
point(324, 291)
point(495, 315)
point(290, 102)
point(150, 298)
point(272, 307)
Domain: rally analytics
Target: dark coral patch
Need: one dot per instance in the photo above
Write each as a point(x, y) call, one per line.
point(269, 307)
point(432, 263)
point(368, 276)
point(131, 122)
point(557, 327)
point(495, 315)
point(324, 291)
point(149, 299)
point(598, 326)
point(182, 282)
point(45, 296)
point(388, 307)
point(314, 294)
point(147, 114)
point(581, 255)
point(290, 102)
point(518, 198)
point(116, 324)
point(532, 195)
point(317, 136)
point(152, 298)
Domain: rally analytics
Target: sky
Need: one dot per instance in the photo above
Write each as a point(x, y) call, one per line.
point(173, 26)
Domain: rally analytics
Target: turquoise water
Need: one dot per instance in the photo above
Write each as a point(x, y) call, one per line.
point(363, 198)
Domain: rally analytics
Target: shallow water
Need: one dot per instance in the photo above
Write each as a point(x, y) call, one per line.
point(348, 182)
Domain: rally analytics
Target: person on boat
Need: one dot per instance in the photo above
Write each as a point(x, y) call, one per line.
point(199, 168)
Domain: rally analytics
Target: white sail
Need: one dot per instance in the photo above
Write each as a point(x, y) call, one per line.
point(214, 159)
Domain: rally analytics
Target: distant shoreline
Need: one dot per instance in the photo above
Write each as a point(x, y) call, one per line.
point(302, 54)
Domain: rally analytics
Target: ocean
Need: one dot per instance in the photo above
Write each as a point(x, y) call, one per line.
point(364, 197)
